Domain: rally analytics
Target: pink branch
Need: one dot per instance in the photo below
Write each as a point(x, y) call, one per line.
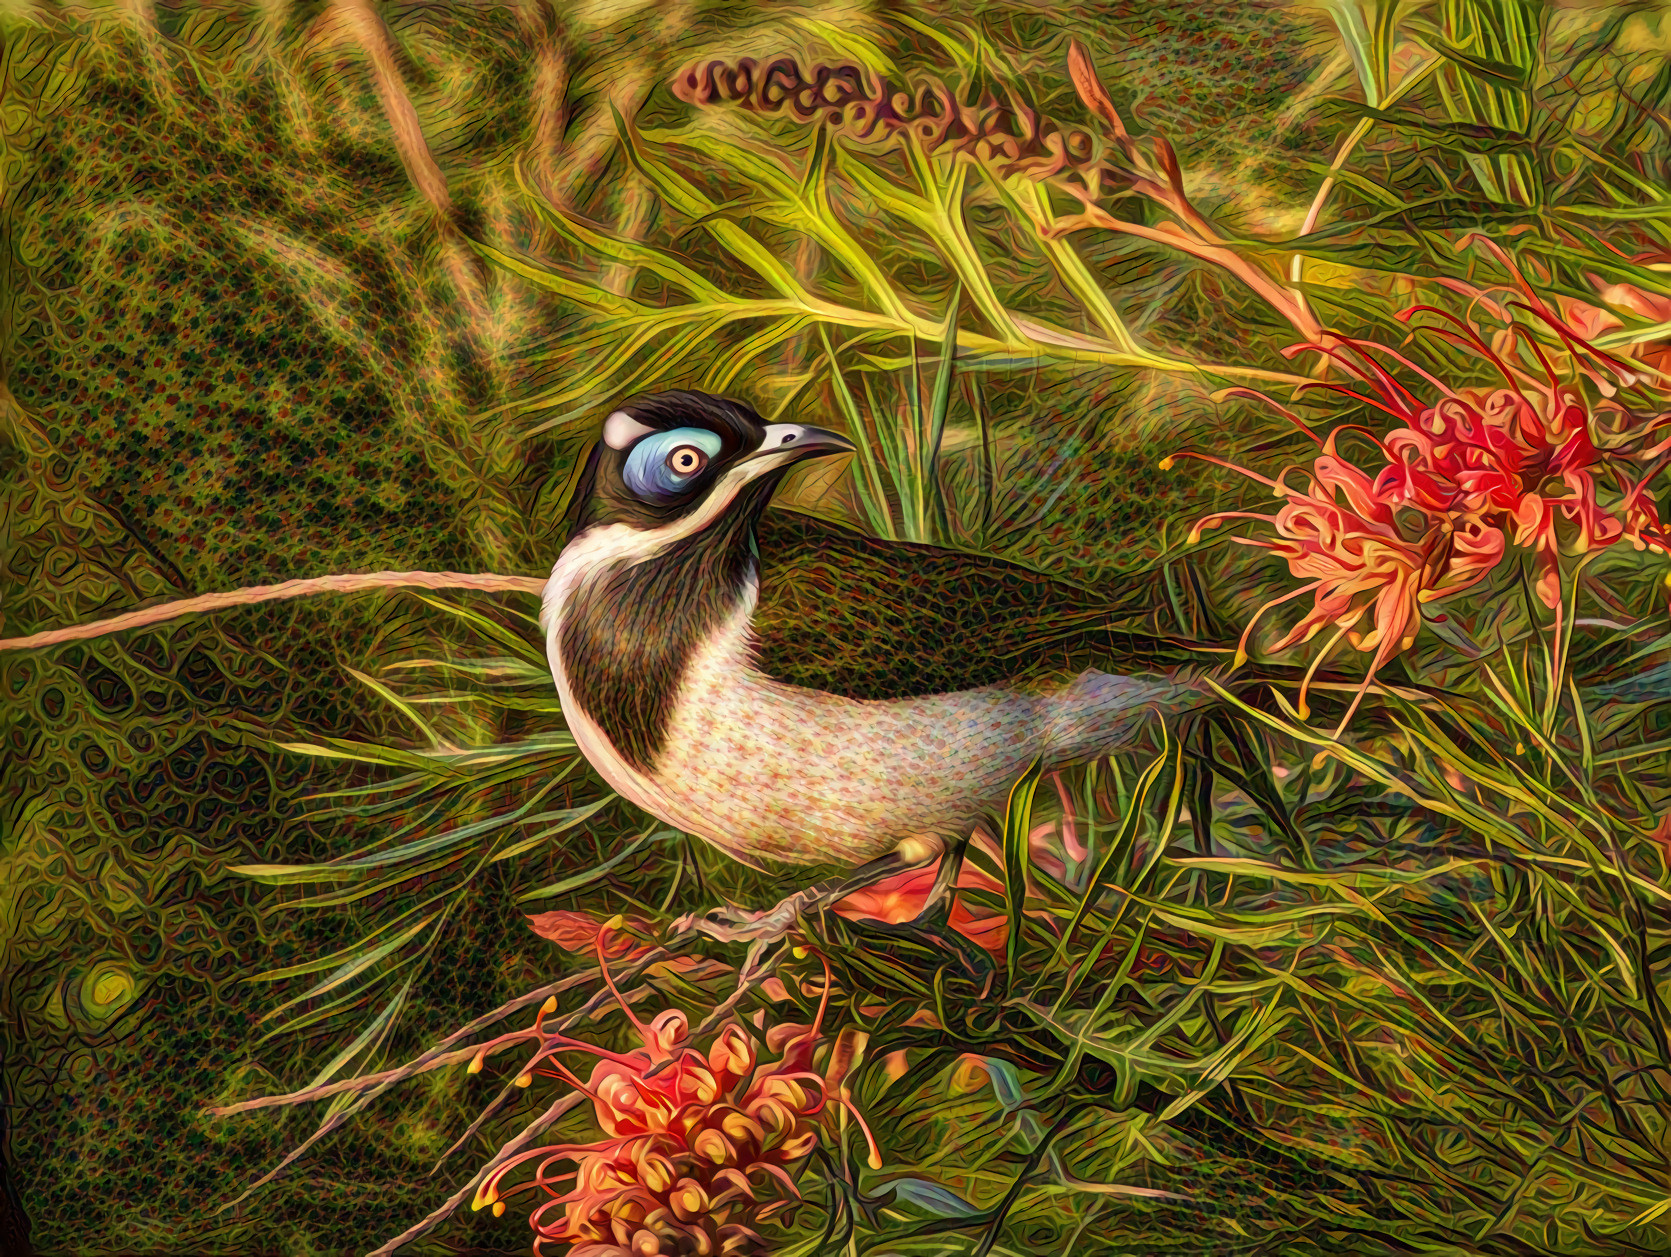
point(340, 583)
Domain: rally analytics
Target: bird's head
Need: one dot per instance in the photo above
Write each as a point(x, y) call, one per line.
point(685, 460)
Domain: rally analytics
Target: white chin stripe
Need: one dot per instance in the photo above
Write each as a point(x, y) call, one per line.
point(621, 430)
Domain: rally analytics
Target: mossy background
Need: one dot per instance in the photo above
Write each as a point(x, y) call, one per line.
point(242, 345)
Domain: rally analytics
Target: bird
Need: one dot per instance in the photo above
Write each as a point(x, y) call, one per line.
point(787, 688)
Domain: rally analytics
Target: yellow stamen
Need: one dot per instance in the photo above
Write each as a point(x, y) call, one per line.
point(523, 1080)
point(845, 1098)
point(498, 1208)
point(1166, 463)
point(550, 1005)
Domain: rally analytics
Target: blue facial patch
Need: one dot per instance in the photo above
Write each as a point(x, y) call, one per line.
point(664, 464)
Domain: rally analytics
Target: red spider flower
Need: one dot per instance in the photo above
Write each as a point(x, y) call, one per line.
point(1495, 456)
point(1523, 459)
point(1341, 536)
point(698, 1146)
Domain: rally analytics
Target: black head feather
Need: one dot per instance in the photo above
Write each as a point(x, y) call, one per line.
point(628, 635)
point(603, 496)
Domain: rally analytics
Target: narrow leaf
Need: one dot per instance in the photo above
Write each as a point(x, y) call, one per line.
point(1017, 824)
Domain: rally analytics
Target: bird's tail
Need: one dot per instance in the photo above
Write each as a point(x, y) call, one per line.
point(1167, 613)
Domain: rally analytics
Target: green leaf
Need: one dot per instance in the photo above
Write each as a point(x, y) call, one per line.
point(458, 836)
point(538, 667)
point(354, 967)
point(1006, 1082)
point(871, 494)
point(1465, 137)
point(933, 1198)
point(1509, 73)
point(566, 819)
point(591, 875)
point(847, 41)
point(940, 405)
point(1018, 817)
point(375, 1030)
point(1124, 836)
point(1370, 54)
point(370, 753)
point(346, 955)
point(399, 704)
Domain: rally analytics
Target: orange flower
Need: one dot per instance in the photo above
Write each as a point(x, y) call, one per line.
point(1462, 471)
point(1342, 537)
point(1483, 456)
point(698, 1147)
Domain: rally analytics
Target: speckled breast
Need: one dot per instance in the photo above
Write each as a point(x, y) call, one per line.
point(766, 770)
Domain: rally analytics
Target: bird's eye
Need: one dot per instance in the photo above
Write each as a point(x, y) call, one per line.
point(664, 465)
point(687, 460)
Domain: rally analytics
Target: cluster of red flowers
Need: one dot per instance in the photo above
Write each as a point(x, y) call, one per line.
point(697, 1148)
point(1466, 474)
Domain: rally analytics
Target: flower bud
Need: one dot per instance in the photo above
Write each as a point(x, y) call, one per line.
point(656, 1173)
point(688, 1201)
point(712, 1146)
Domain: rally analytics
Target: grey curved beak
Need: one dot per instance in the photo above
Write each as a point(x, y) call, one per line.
point(800, 440)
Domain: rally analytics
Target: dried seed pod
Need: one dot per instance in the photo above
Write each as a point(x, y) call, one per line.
point(1007, 136)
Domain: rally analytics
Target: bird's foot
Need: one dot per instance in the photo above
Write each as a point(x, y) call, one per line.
point(736, 925)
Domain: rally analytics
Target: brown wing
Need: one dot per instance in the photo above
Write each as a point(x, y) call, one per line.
point(871, 619)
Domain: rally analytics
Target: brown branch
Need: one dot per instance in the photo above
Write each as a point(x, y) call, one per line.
point(339, 583)
point(1209, 249)
point(360, 1082)
point(366, 27)
point(439, 1057)
point(372, 1087)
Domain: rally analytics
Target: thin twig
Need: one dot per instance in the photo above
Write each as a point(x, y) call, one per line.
point(498, 1102)
point(335, 584)
point(339, 1119)
point(447, 1207)
point(357, 1083)
point(752, 974)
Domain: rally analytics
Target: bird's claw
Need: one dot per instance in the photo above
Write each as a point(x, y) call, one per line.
point(736, 925)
